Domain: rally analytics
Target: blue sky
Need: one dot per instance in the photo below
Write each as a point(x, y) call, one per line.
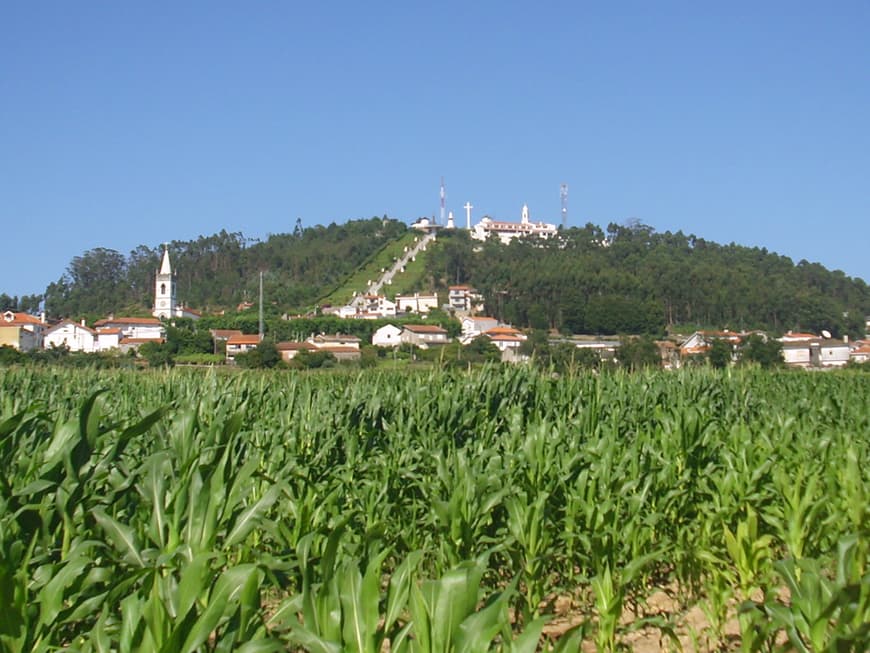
point(135, 123)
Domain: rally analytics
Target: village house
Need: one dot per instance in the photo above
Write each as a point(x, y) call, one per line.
point(424, 335)
point(464, 299)
point(22, 331)
point(72, 335)
point(860, 352)
point(700, 342)
point(137, 328)
point(475, 326)
point(505, 337)
point(416, 303)
point(241, 344)
point(289, 350)
point(387, 336)
point(815, 353)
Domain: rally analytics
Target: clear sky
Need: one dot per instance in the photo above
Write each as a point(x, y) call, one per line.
point(127, 123)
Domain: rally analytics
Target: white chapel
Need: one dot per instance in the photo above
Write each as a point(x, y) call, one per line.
point(165, 302)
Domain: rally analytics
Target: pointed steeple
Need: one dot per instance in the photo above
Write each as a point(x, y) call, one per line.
point(165, 267)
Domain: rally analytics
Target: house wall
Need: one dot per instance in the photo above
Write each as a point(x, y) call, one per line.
point(388, 336)
point(72, 336)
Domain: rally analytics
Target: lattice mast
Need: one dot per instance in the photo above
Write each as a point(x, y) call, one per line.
point(443, 196)
point(563, 194)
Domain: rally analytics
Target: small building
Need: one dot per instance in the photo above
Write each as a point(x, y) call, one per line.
point(241, 344)
point(107, 339)
point(475, 326)
point(816, 353)
point(322, 341)
point(416, 303)
point(860, 353)
point(289, 350)
point(72, 335)
point(22, 331)
point(376, 305)
point(387, 336)
point(424, 335)
point(464, 299)
point(700, 342)
point(138, 328)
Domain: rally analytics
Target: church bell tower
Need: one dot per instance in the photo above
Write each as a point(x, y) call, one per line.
point(164, 289)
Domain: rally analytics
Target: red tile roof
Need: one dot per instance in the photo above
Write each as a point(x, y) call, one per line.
point(19, 319)
point(128, 320)
point(243, 339)
point(425, 328)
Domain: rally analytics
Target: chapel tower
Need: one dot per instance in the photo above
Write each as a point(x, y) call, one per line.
point(164, 289)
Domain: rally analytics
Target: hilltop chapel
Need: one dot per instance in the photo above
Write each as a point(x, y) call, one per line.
point(166, 305)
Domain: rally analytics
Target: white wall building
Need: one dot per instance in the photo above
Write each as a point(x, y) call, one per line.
point(72, 335)
point(507, 231)
point(416, 303)
point(464, 299)
point(819, 352)
point(424, 335)
point(387, 336)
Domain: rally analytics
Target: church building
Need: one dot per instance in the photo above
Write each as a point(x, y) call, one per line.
point(166, 304)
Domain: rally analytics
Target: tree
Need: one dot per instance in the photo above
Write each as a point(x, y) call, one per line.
point(766, 353)
point(638, 353)
point(720, 353)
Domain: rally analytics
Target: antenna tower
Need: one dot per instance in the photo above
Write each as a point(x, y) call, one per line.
point(443, 194)
point(563, 194)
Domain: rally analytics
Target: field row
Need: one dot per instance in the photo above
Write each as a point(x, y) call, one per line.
point(181, 511)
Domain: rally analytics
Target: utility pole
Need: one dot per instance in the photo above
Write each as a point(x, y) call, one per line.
point(261, 305)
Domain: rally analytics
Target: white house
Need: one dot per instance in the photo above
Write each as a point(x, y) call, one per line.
point(860, 353)
point(464, 299)
point(424, 335)
point(416, 303)
point(387, 336)
point(819, 352)
point(107, 338)
point(241, 344)
point(377, 305)
point(475, 326)
point(72, 335)
point(507, 231)
point(135, 328)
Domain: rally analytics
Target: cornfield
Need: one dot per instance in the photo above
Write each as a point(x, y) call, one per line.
point(501, 509)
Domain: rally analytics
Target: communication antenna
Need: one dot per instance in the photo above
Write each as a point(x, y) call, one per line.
point(826, 334)
point(443, 195)
point(563, 194)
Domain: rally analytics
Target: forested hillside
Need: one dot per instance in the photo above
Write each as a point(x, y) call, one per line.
point(631, 279)
point(627, 279)
point(221, 270)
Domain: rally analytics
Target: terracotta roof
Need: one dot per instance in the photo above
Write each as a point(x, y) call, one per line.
point(502, 331)
point(295, 346)
point(337, 338)
point(460, 287)
point(128, 320)
point(480, 318)
point(19, 319)
point(336, 349)
point(802, 336)
point(108, 331)
point(505, 338)
point(424, 328)
point(139, 341)
point(243, 339)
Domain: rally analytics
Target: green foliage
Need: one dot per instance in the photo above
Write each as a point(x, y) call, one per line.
point(638, 353)
point(206, 510)
point(221, 270)
point(764, 352)
point(720, 353)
